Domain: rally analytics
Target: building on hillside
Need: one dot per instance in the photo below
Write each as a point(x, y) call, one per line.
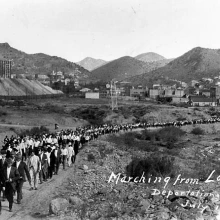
point(156, 86)
point(184, 85)
point(154, 93)
point(92, 95)
point(194, 82)
point(103, 94)
point(139, 92)
point(168, 92)
point(5, 68)
point(207, 80)
point(67, 81)
point(205, 92)
point(178, 93)
point(41, 77)
point(180, 100)
point(202, 101)
point(13, 76)
point(215, 93)
point(85, 90)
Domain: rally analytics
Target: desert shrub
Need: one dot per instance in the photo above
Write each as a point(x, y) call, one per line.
point(197, 109)
point(104, 151)
point(169, 134)
point(155, 165)
point(149, 135)
point(12, 129)
point(93, 114)
point(3, 113)
point(204, 167)
point(91, 157)
point(181, 118)
point(212, 109)
point(54, 108)
point(35, 131)
point(197, 131)
point(131, 141)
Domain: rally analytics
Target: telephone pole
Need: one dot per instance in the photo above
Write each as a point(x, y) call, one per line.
point(113, 93)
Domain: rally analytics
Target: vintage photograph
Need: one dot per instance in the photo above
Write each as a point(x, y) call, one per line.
point(110, 110)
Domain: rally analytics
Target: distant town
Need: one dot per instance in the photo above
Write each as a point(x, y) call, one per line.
point(204, 92)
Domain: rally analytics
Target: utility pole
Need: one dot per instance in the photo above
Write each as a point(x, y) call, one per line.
point(114, 93)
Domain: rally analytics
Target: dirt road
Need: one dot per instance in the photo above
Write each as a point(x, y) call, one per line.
point(35, 204)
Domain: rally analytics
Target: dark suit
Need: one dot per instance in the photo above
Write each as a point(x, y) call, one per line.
point(10, 187)
point(22, 169)
point(1, 178)
point(1, 185)
point(52, 163)
point(1, 164)
point(57, 160)
point(44, 167)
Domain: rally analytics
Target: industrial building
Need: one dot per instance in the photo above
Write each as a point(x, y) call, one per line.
point(202, 101)
point(5, 68)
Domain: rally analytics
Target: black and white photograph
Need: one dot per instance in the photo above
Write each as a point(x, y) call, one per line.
point(110, 109)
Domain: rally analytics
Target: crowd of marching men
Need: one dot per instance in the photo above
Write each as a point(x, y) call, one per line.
point(37, 158)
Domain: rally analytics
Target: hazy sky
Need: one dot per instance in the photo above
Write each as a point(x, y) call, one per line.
point(109, 29)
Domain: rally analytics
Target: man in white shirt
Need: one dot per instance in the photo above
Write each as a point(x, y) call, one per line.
point(64, 154)
point(70, 154)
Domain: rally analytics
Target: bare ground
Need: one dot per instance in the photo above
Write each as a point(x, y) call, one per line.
point(35, 204)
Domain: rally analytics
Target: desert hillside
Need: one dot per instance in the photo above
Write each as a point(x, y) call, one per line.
point(90, 63)
point(39, 63)
point(193, 65)
point(149, 57)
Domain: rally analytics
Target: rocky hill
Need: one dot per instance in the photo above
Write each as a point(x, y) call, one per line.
point(90, 63)
point(119, 69)
point(39, 63)
point(125, 67)
point(149, 57)
point(195, 64)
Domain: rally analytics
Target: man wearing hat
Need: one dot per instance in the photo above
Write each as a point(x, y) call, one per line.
point(22, 169)
point(57, 156)
point(10, 175)
point(34, 169)
point(44, 165)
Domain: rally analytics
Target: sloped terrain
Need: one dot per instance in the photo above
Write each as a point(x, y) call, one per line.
point(119, 69)
point(23, 87)
point(195, 64)
point(149, 57)
point(30, 64)
point(125, 67)
point(90, 63)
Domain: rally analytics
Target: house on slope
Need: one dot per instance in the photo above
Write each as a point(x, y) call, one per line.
point(202, 101)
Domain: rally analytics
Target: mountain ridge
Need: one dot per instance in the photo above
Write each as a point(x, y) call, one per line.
point(39, 63)
point(193, 65)
point(90, 63)
point(149, 57)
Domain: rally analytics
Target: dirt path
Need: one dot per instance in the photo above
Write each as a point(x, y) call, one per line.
point(35, 204)
point(15, 125)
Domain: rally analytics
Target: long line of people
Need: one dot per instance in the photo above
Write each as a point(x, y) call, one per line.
point(38, 157)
